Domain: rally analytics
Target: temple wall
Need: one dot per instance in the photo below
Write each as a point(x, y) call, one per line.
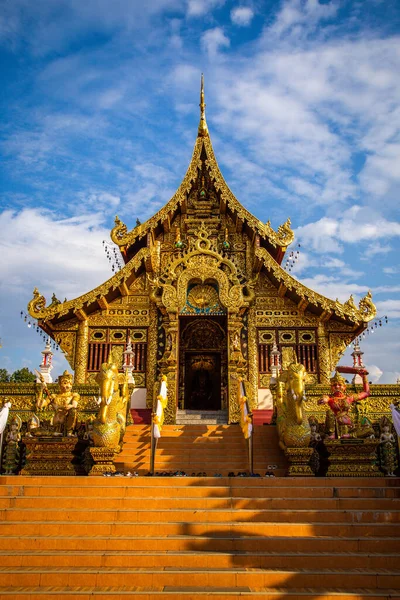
point(272, 319)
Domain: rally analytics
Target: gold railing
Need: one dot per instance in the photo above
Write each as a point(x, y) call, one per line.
point(246, 421)
point(157, 420)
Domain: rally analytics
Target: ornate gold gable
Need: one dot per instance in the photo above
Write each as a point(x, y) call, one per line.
point(201, 263)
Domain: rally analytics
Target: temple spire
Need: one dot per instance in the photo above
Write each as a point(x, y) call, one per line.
point(203, 129)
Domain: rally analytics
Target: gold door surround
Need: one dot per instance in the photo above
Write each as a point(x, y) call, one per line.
point(223, 292)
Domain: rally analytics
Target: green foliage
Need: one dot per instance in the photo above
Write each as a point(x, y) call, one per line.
point(4, 376)
point(23, 375)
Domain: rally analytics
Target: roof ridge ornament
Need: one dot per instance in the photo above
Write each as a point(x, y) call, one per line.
point(203, 129)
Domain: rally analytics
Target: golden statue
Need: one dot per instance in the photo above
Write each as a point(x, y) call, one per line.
point(292, 423)
point(64, 404)
point(387, 448)
point(109, 425)
point(340, 402)
point(11, 457)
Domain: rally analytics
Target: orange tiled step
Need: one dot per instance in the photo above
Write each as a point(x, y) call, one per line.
point(222, 502)
point(200, 515)
point(220, 543)
point(200, 528)
point(254, 578)
point(166, 487)
point(176, 593)
point(193, 559)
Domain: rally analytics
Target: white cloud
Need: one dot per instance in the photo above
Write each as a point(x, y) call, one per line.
point(391, 270)
point(198, 8)
point(307, 261)
point(339, 265)
point(390, 377)
point(100, 201)
point(110, 97)
point(64, 256)
point(390, 308)
point(186, 75)
point(213, 40)
point(374, 373)
point(299, 16)
point(322, 236)
point(387, 289)
point(242, 15)
point(375, 249)
point(176, 42)
point(356, 225)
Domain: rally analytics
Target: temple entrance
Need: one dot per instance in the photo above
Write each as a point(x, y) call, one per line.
point(202, 363)
point(202, 381)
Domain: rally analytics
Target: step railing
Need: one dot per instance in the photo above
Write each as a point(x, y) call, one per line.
point(246, 421)
point(157, 420)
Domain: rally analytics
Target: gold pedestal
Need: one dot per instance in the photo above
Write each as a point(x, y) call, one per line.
point(299, 462)
point(99, 461)
point(50, 456)
point(352, 458)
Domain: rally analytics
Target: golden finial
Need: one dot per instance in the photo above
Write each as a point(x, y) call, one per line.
point(203, 129)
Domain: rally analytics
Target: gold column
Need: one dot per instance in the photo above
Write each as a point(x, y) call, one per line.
point(151, 355)
point(81, 353)
point(236, 365)
point(324, 358)
point(252, 358)
point(169, 365)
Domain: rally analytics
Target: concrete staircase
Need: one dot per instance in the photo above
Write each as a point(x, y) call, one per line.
point(210, 449)
point(161, 537)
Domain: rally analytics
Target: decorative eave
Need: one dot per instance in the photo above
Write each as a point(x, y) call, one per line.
point(281, 238)
point(306, 297)
point(99, 297)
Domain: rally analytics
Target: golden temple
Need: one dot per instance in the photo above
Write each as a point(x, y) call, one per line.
point(203, 277)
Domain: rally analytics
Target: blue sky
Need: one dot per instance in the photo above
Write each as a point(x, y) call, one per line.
point(99, 113)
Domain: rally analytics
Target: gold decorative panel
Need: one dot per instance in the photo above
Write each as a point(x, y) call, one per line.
point(287, 337)
point(140, 319)
point(307, 337)
point(118, 335)
point(138, 335)
point(266, 336)
point(127, 312)
point(97, 335)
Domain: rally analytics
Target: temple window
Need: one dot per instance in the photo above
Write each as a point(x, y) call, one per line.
point(102, 340)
